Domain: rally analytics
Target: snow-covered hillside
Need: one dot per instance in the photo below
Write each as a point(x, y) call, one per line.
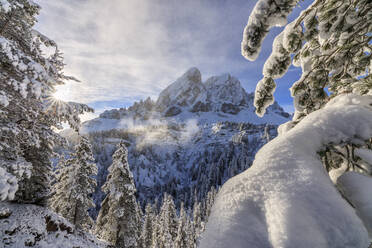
point(195, 136)
point(26, 225)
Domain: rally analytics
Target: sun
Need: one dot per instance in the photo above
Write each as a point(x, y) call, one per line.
point(63, 92)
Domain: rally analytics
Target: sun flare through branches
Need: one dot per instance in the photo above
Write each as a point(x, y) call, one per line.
point(62, 93)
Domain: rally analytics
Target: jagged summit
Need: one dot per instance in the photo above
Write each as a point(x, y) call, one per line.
point(182, 93)
point(226, 94)
point(218, 94)
point(193, 74)
point(222, 94)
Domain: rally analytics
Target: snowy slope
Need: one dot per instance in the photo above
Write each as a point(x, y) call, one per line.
point(195, 136)
point(286, 199)
point(26, 225)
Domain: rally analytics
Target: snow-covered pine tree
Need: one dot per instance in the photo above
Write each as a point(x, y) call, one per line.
point(331, 42)
point(147, 228)
point(209, 202)
point(74, 186)
point(266, 134)
point(168, 222)
point(155, 242)
point(182, 232)
point(155, 206)
point(140, 219)
point(197, 219)
point(172, 213)
point(117, 221)
point(27, 112)
point(191, 234)
point(62, 176)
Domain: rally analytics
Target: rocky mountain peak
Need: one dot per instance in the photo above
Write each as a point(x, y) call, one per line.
point(218, 95)
point(226, 90)
point(222, 93)
point(193, 74)
point(182, 93)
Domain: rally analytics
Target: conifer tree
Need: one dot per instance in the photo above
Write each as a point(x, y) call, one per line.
point(182, 232)
point(191, 234)
point(62, 178)
point(140, 217)
point(147, 228)
point(155, 206)
point(117, 221)
point(74, 186)
point(27, 110)
point(172, 213)
point(209, 202)
point(155, 242)
point(168, 222)
point(197, 219)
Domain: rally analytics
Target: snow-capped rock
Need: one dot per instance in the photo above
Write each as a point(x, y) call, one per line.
point(183, 92)
point(222, 93)
point(226, 94)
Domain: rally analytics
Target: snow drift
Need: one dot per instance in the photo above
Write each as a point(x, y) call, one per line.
point(286, 199)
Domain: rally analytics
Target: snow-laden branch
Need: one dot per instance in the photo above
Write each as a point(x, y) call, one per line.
point(265, 15)
point(286, 199)
point(330, 40)
point(11, 172)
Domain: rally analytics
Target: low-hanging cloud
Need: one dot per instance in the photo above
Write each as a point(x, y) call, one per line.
point(155, 129)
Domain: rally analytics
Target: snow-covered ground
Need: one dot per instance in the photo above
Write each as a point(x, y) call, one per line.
point(286, 199)
point(26, 225)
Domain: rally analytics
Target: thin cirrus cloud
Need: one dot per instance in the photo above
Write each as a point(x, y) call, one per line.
point(126, 50)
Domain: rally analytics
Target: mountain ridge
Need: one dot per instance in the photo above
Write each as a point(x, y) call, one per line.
point(222, 95)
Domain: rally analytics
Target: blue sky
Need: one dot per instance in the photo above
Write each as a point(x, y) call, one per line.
point(126, 50)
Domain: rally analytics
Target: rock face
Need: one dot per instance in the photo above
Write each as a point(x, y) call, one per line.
point(195, 136)
point(183, 92)
point(226, 94)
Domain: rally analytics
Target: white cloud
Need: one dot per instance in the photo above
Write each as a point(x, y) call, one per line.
point(123, 49)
